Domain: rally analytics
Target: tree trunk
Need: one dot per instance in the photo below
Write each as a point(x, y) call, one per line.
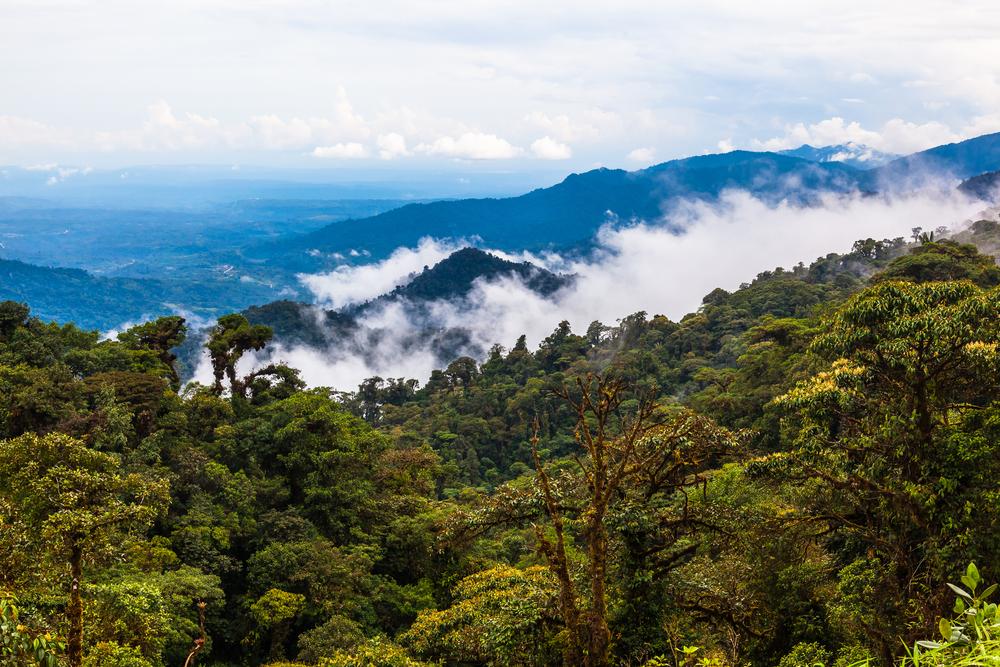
point(598, 633)
point(74, 644)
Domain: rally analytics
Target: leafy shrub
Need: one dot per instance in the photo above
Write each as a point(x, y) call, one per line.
point(377, 652)
point(806, 654)
point(110, 654)
point(337, 634)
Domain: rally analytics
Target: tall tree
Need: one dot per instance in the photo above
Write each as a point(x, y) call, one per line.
point(231, 338)
point(81, 504)
point(898, 437)
point(160, 336)
point(633, 456)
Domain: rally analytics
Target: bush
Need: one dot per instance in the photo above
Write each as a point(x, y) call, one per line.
point(377, 652)
point(337, 634)
point(110, 654)
point(806, 654)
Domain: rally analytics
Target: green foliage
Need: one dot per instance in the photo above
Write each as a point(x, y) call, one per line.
point(76, 495)
point(276, 607)
point(376, 652)
point(500, 616)
point(20, 644)
point(892, 435)
point(338, 633)
point(788, 475)
point(230, 339)
point(110, 654)
point(806, 654)
point(942, 261)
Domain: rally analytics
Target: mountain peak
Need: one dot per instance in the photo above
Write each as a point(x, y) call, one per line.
point(455, 275)
point(850, 153)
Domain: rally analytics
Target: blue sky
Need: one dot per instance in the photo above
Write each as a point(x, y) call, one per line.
point(544, 86)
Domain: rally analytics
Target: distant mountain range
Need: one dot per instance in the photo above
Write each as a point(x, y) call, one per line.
point(568, 214)
point(229, 256)
point(854, 155)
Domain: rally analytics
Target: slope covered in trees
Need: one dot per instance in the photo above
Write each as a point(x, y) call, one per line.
point(791, 475)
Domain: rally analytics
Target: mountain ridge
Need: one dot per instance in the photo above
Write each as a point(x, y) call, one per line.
point(568, 213)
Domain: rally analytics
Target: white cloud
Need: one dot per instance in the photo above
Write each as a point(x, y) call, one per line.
point(895, 136)
point(861, 77)
point(548, 148)
point(17, 131)
point(675, 75)
point(391, 146)
point(722, 246)
point(349, 285)
point(643, 156)
point(562, 128)
point(273, 132)
point(351, 150)
point(472, 146)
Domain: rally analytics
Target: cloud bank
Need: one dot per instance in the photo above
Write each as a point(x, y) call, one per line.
point(642, 267)
point(602, 78)
point(353, 284)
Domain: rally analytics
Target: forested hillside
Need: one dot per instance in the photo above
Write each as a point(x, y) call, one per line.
point(792, 475)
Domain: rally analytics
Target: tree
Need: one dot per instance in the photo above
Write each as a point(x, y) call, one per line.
point(943, 260)
point(12, 316)
point(274, 612)
point(631, 455)
point(79, 501)
point(229, 340)
point(160, 336)
point(896, 440)
point(500, 616)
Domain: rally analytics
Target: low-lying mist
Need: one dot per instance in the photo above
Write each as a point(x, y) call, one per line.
point(644, 267)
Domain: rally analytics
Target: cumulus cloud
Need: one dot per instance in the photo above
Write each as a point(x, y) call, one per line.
point(17, 131)
point(391, 146)
point(348, 150)
point(548, 148)
point(644, 156)
point(642, 267)
point(562, 128)
point(170, 130)
point(472, 146)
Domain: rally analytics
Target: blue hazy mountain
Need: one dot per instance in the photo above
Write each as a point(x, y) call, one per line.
point(984, 186)
point(960, 160)
point(852, 154)
point(570, 213)
point(95, 302)
point(224, 257)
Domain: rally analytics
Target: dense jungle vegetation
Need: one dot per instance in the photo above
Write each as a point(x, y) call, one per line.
point(792, 475)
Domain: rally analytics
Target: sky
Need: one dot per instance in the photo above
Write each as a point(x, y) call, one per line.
point(548, 86)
